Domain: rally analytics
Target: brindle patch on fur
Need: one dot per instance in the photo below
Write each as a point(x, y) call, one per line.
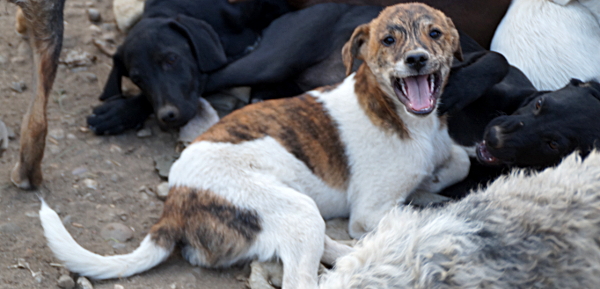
point(382, 111)
point(300, 124)
point(208, 223)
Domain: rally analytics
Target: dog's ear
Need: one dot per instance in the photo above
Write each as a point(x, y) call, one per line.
point(455, 40)
point(113, 83)
point(353, 49)
point(205, 42)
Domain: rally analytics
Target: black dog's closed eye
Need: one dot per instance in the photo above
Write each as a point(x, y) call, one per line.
point(169, 60)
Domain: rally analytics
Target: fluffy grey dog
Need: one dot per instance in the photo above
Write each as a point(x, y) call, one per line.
point(524, 231)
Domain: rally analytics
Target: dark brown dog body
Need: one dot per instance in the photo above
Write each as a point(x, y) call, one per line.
point(42, 23)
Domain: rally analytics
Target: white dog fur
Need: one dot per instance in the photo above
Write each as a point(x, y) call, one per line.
point(128, 13)
point(551, 41)
point(538, 230)
point(258, 184)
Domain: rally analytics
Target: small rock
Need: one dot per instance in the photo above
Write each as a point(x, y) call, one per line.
point(32, 214)
point(94, 15)
point(9, 228)
point(145, 132)
point(116, 231)
point(95, 29)
point(114, 178)
point(18, 60)
point(115, 149)
point(90, 184)
point(18, 86)
point(77, 58)
point(118, 286)
point(3, 60)
point(84, 283)
point(79, 171)
point(66, 282)
point(163, 164)
point(162, 190)
point(71, 136)
point(91, 77)
point(57, 133)
point(118, 246)
point(67, 220)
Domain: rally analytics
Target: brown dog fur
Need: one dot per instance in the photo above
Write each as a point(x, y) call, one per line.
point(42, 21)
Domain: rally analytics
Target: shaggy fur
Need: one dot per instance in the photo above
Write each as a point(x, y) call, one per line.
point(525, 231)
point(551, 41)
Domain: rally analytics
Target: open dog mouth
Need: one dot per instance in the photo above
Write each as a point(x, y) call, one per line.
point(418, 93)
point(485, 156)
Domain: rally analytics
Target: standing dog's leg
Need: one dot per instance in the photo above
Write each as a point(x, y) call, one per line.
point(44, 27)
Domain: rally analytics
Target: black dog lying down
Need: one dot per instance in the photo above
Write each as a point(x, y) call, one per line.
point(547, 127)
point(169, 53)
point(181, 50)
point(510, 123)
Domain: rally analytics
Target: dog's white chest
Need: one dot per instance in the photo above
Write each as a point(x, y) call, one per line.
point(381, 161)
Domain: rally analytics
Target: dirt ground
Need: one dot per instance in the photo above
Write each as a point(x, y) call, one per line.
point(75, 159)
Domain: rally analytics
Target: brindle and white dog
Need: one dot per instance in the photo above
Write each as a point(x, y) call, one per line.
point(258, 184)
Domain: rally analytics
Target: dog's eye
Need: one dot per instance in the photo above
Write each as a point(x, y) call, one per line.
point(538, 104)
point(435, 34)
point(388, 40)
point(169, 60)
point(553, 145)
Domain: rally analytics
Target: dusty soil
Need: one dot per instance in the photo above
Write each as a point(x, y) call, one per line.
point(120, 165)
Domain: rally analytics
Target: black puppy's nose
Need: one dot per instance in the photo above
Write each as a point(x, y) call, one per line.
point(168, 114)
point(416, 60)
point(493, 138)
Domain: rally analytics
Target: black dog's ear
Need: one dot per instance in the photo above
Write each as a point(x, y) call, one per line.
point(353, 48)
point(113, 83)
point(206, 44)
point(594, 86)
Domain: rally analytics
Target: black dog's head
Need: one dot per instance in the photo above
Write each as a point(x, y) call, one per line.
point(168, 59)
point(547, 127)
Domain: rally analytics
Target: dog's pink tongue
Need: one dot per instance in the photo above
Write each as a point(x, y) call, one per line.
point(418, 93)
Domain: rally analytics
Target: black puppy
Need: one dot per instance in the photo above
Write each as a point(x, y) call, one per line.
point(169, 53)
point(481, 87)
point(546, 128)
point(297, 52)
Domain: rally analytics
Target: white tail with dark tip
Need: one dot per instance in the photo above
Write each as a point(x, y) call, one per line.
point(79, 260)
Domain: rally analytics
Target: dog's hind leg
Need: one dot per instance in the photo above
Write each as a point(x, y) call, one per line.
point(333, 250)
point(294, 229)
point(44, 28)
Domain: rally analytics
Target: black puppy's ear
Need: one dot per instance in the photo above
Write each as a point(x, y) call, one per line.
point(353, 48)
point(206, 44)
point(113, 83)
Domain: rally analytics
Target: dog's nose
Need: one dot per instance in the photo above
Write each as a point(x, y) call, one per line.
point(168, 114)
point(416, 60)
point(493, 138)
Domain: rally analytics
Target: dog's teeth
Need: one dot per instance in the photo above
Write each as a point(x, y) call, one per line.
point(432, 83)
point(403, 85)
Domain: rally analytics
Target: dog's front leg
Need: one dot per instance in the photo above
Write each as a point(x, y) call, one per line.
point(453, 170)
point(44, 27)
